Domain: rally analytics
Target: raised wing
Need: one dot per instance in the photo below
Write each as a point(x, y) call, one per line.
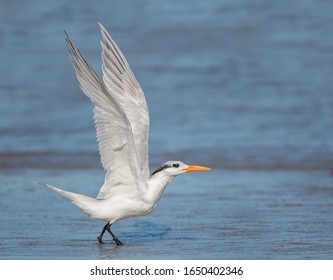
point(121, 82)
point(114, 133)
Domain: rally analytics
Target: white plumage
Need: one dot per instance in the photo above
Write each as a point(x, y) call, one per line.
point(122, 124)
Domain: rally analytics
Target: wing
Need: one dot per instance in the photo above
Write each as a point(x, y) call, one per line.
point(121, 82)
point(114, 133)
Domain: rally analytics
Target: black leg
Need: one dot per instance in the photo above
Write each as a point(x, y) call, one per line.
point(99, 238)
point(115, 239)
point(107, 228)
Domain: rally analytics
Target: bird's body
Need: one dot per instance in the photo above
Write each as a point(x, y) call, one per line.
point(123, 204)
point(122, 124)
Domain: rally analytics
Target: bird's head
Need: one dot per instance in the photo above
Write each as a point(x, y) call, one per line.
point(174, 168)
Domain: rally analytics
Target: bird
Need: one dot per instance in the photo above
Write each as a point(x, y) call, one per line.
point(121, 120)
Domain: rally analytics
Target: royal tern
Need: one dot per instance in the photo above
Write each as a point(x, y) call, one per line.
point(122, 123)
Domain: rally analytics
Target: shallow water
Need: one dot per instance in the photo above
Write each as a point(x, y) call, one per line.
point(250, 214)
point(245, 88)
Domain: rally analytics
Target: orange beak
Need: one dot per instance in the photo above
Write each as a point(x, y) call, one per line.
point(194, 168)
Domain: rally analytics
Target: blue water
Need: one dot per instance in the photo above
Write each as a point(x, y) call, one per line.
point(244, 87)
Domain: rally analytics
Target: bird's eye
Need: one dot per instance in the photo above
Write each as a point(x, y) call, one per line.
point(175, 165)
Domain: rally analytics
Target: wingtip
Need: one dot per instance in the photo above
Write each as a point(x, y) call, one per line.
point(105, 33)
point(39, 183)
point(72, 49)
point(101, 26)
point(66, 34)
point(68, 39)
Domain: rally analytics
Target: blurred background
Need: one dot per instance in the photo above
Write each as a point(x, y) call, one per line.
point(244, 87)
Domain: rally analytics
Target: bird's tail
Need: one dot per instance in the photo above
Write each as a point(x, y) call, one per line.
point(85, 203)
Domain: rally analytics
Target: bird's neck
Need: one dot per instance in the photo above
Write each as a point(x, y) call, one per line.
point(156, 186)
